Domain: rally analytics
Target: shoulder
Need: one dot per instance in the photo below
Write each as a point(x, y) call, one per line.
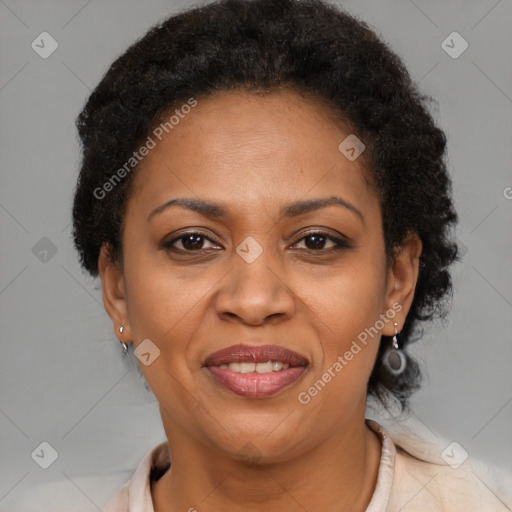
point(420, 485)
point(135, 494)
point(119, 502)
point(432, 474)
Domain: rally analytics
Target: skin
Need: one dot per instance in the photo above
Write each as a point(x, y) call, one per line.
point(255, 155)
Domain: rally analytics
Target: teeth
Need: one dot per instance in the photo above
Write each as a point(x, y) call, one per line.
point(264, 367)
point(277, 365)
point(268, 367)
point(247, 367)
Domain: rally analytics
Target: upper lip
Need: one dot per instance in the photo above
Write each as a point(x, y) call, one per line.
point(255, 354)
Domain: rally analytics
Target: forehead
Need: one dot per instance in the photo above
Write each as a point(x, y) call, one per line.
point(243, 149)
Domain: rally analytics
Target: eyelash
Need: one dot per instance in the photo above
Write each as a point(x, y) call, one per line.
point(340, 244)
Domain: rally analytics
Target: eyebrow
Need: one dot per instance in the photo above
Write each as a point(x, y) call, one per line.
point(218, 211)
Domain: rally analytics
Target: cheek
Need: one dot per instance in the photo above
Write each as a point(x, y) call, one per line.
point(163, 301)
point(350, 298)
point(167, 304)
point(348, 310)
point(165, 307)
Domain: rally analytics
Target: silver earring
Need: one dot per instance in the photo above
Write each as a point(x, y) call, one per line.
point(124, 345)
point(394, 359)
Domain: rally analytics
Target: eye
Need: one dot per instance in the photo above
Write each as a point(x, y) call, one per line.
point(317, 240)
point(195, 241)
point(189, 242)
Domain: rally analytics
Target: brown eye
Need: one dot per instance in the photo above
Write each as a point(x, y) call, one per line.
point(189, 242)
point(317, 242)
point(192, 242)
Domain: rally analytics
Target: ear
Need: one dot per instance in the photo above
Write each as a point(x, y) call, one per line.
point(114, 297)
point(401, 280)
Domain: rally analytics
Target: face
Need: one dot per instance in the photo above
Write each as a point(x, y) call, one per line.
point(265, 263)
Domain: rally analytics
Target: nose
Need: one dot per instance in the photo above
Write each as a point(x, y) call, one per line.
point(255, 293)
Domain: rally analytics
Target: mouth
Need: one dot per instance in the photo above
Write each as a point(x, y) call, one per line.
point(256, 371)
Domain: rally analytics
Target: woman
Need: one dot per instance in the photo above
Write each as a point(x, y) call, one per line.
point(264, 196)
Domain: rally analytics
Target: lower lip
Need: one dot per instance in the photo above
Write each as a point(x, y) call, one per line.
point(256, 385)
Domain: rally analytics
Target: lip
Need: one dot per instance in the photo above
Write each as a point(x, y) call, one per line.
point(255, 354)
point(255, 385)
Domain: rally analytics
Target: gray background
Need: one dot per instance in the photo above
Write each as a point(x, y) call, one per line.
point(62, 378)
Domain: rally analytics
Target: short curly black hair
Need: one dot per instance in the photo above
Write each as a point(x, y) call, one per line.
point(308, 46)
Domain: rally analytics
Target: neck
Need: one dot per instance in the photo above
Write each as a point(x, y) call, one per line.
point(338, 475)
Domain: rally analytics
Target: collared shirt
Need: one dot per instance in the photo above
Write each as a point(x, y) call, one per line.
point(405, 483)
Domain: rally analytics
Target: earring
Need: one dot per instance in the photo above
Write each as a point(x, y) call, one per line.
point(124, 345)
point(394, 359)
